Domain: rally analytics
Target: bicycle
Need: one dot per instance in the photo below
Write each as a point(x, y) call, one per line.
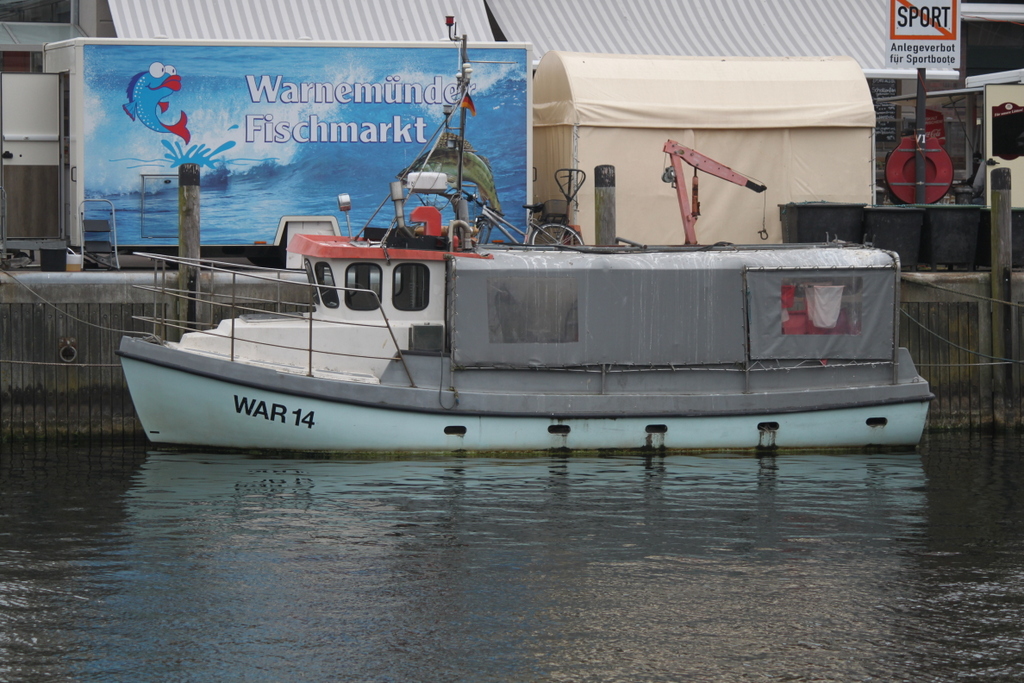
point(553, 226)
point(549, 221)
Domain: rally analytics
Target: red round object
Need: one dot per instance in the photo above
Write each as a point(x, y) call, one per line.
point(901, 172)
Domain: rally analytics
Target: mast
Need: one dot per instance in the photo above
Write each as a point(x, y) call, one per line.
point(462, 77)
point(464, 87)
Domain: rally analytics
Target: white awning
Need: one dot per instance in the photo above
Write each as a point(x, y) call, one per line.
point(997, 78)
point(32, 35)
point(707, 28)
point(991, 11)
point(935, 98)
point(321, 20)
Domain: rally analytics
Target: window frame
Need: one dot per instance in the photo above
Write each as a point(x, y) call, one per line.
point(356, 294)
point(328, 285)
point(399, 284)
point(307, 265)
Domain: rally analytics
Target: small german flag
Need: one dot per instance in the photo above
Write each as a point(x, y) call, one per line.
point(467, 103)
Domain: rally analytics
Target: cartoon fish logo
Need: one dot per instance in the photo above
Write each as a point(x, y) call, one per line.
point(147, 95)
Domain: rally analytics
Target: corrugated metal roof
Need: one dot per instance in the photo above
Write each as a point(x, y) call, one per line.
point(702, 28)
point(699, 28)
point(327, 20)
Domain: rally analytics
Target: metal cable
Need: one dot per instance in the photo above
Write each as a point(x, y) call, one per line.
point(72, 364)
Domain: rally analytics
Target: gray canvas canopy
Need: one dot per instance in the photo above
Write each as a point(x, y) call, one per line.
point(672, 308)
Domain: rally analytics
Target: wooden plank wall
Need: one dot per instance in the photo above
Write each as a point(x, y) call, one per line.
point(946, 325)
point(939, 335)
point(85, 401)
point(45, 398)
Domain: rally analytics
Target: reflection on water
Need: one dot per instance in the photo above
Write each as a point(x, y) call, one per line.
point(169, 566)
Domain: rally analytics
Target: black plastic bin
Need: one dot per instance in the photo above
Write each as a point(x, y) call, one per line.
point(950, 235)
point(53, 260)
point(896, 228)
point(812, 222)
point(983, 257)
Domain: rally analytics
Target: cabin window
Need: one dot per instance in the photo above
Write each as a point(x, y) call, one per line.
point(410, 285)
point(367, 277)
point(312, 280)
point(325, 276)
point(533, 310)
point(821, 305)
point(780, 327)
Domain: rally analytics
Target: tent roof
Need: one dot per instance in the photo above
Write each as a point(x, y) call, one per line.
point(638, 91)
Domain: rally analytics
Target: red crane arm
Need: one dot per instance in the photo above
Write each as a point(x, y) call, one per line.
point(678, 153)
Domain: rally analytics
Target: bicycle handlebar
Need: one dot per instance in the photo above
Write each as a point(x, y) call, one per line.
point(533, 208)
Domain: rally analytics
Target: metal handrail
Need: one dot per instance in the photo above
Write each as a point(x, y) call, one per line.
point(235, 304)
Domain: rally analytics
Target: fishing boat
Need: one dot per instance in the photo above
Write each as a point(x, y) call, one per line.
point(505, 348)
point(415, 337)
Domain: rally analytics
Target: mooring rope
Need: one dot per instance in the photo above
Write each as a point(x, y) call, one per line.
point(998, 360)
point(75, 318)
point(967, 294)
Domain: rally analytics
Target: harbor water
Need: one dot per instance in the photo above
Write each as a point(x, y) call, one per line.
point(128, 564)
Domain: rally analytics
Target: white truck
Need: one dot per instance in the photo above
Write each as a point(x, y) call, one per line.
point(278, 130)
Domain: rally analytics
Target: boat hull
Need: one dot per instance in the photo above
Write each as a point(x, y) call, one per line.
point(180, 407)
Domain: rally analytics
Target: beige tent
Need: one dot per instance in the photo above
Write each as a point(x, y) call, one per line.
point(800, 125)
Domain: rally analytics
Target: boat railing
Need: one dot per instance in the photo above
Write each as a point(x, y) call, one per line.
point(218, 294)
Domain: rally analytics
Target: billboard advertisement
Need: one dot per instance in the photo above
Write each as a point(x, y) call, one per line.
point(283, 129)
point(1004, 136)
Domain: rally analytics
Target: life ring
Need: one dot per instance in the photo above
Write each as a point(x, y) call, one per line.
point(901, 172)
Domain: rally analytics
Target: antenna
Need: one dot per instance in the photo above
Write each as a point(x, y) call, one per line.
point(462, 78)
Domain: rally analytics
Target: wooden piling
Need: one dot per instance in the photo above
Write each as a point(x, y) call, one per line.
point(1000, 279)
point(604, 205)
point(188, 240)
point(920, 136)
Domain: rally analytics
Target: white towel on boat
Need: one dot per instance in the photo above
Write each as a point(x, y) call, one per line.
point(824, 302)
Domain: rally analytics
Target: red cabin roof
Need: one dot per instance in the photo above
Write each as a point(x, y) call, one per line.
point(334, 247)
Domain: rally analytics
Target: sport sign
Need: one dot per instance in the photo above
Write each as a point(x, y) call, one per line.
point(924, 34)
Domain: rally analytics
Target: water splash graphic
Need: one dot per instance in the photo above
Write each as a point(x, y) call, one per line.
point(196, 154)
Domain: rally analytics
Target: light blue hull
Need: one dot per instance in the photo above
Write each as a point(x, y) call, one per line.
point(178, 407)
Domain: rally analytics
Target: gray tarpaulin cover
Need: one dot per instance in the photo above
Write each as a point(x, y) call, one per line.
point(564, 309)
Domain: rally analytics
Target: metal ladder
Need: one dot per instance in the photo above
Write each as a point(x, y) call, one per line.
point(99, 236)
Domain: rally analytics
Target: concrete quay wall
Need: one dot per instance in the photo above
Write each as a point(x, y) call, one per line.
point(60, 378)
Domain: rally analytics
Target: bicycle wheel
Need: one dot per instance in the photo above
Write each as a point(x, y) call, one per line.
point(554, 233)
point(483, 227)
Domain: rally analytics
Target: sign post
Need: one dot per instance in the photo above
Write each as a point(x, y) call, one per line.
point(922, 34)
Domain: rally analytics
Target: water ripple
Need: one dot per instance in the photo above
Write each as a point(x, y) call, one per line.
point(872, 567)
